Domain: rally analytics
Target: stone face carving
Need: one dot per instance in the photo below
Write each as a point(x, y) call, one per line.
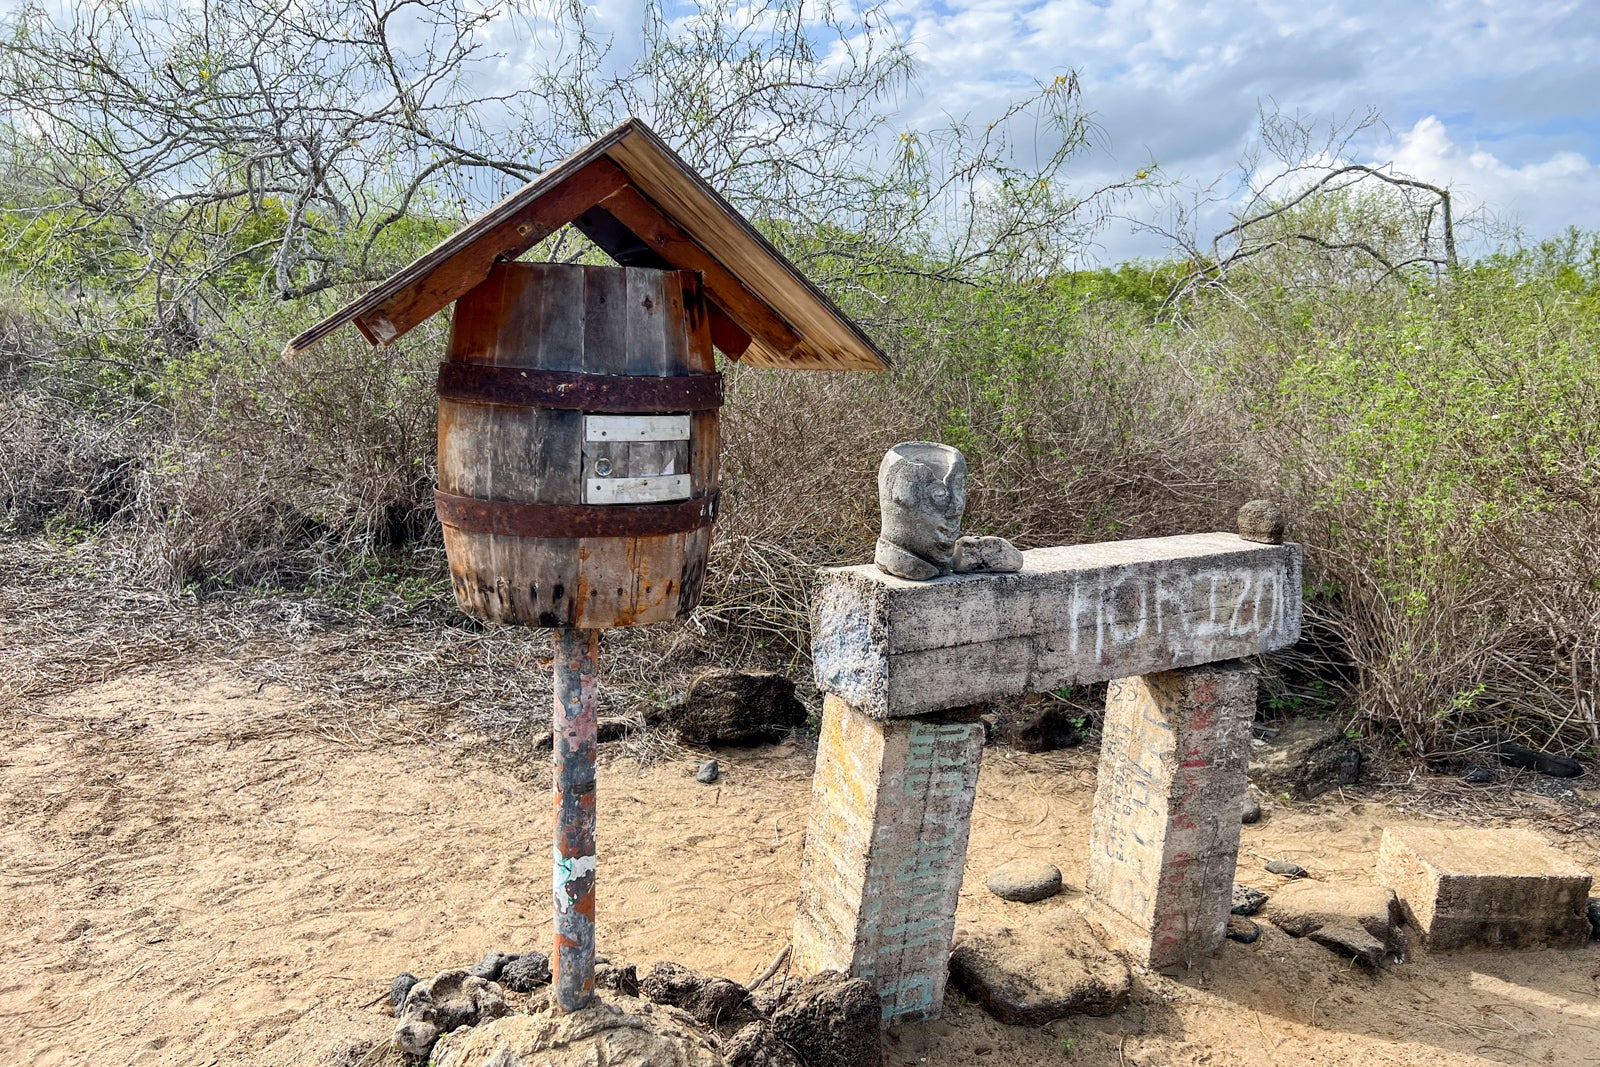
point(922, 493)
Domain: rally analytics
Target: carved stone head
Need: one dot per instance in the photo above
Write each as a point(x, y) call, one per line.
point(922, 492)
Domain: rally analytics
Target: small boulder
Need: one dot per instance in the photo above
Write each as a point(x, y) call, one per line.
point(758, 1045)
point(1249, 809)
point(443, 1003)
point(1242, 930)
point(526, 972)
point(490, 966)
point(1304, 760)
point(1360, 922)
point(994, 555)
point(399, 988)
point(707, 998)
point(1261, 521)
point(1247, 900)
point(621, 978)
point(708, 773)
point(1025, 881)
point(1047, 971)
point(608, 1031)
point(1594, 918)
point(1286, 869)
point(727, 707)
point(1042, 728)
point(832, 1020)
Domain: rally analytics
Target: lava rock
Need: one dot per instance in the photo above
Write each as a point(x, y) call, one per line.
point(1261, 521)
point(832, 1020)
point(525, 972)
point(621, 978)
point(1045, 729)
point(758, 1045)
point(1531, 759)
point(445, 1002)
point(1243, 930)
point(708, 773)
point(1247, 900)
point(1594, 918)
point(726, 707)
point(1045, 972)
point(707, 998)
point(1249, 809)
point(609, 1031)
point(1360, 922)
point(1025, 881)
point(1287, 869)
point(1305, 760)
point(400, 987)
point(490, 966)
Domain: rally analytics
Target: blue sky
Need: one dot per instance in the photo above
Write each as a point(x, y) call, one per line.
point(1499, 101)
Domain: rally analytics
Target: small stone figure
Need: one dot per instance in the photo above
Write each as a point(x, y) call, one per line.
point(922, 493)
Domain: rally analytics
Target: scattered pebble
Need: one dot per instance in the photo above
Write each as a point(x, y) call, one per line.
point(708, 773)
point(1242, 930)
point(1287, 869)
point(1025, 881)
point(1247, 900)
point(1251, 812)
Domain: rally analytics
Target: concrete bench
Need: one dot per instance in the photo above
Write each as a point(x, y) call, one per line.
point(1164, 620)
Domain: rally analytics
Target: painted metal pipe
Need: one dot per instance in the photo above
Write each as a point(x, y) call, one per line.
point(573, 875)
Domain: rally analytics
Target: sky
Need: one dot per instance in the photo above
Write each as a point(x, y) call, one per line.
point(1498, 101)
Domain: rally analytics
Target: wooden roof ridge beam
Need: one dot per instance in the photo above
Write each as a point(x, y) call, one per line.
point(651, 225)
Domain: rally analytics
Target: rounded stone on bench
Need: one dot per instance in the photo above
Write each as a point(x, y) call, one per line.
point(1261, 521)
point(1025, 881)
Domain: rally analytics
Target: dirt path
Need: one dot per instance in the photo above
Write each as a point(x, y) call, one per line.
point(191, 872)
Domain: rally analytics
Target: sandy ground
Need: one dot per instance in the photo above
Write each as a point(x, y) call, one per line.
point(191, 872)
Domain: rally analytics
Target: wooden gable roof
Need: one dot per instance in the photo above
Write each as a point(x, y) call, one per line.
point(630, 194)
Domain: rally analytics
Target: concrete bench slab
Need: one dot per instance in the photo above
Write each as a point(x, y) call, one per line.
point(1073, 615)
point(1485, 888)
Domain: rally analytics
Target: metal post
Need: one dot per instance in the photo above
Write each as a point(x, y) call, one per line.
point(572, 963)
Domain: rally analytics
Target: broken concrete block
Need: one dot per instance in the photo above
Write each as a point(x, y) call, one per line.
point(1362, 922)
point(1304, 760)
point(1164, 837)
point(891, 806)
point(1052, 969)
point(1489, 888)
point(1073, 615)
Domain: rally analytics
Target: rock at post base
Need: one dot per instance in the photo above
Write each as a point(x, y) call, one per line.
point(707, 998)
point(612, 1032)
point(726, 707)
point(1305, 760)
point(1047, 971)
point(1044, 728)
point(448, 1001)
point(1360, 922)
point(831, 1020)
point(1247, 900)
point(758, 1045)
point(526, 972)
point(1025, 881)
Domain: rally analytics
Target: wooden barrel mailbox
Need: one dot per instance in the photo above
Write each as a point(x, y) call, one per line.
point(578, 426)
point(578, 438)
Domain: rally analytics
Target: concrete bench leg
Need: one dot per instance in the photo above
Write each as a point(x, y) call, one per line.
point(1164, 839)
point(885, 847)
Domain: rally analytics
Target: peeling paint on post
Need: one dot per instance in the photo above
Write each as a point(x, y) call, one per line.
point(573, 873)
